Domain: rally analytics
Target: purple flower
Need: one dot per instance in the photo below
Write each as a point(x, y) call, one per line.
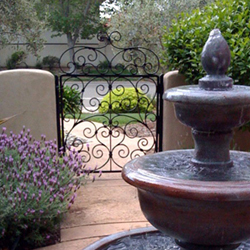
point(61, 197)
point(25, 196)
point(10, 159)
point(43, 137)
point(32, 211)
point(34, 175)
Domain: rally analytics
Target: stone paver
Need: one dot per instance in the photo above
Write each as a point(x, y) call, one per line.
point(107, 206)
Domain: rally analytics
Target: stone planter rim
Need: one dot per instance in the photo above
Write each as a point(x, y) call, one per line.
point(106, 241)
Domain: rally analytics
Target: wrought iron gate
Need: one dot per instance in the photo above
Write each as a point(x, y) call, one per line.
point(115, 115)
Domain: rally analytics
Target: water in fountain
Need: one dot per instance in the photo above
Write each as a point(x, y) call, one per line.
point(149, 241)
point(180, 167)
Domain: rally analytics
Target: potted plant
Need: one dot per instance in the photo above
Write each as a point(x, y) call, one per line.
point(37, 185)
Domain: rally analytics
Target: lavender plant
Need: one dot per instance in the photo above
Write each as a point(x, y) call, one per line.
point(37, 187)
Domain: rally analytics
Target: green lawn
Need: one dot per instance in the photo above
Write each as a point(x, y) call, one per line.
point(120, 119)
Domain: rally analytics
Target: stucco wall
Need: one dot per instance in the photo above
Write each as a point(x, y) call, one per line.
point(54, 46)
point(175, 134)
point(30, 93)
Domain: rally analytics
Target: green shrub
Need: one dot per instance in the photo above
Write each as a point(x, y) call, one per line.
point(185, 40)
point(39, 65)
point(104, 64)
point(125, 100)
point(71, 100)
point(15, 59)
point(50, 62)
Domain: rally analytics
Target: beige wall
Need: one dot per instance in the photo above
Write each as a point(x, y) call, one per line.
point(175, 134)
point(54, 46)
point(30, 93)
point(178, 136)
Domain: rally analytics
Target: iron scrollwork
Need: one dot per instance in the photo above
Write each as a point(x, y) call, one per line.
point(95, 75)
point(127, 61)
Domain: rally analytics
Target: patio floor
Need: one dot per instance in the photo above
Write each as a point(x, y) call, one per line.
point(107, 206)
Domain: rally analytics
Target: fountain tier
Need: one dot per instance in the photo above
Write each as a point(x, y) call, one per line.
point(212, 116)
point(175, 198)
point(201, 197)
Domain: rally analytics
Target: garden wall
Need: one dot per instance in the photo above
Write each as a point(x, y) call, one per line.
point(177, 135)
point(30, 93)
point(54, 46)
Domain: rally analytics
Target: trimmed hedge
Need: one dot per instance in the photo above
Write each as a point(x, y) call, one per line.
point(185, 40)
point(15, 59)
point(50, 62)
point(125, 100)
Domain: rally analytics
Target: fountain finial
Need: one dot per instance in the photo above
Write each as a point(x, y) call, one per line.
point(215, 59)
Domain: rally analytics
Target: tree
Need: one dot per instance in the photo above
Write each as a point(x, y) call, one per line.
point(142, 23)
point(19, 22)
point(74, 18)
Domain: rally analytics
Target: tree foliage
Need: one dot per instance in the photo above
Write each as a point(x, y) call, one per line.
point(19, 22)
point(141, 23)
point(185, 40)
point(75, 18)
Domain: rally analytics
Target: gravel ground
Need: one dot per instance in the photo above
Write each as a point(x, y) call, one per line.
point(140, 130)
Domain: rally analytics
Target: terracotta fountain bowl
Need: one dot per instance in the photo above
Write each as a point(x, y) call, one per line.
point(184, 206)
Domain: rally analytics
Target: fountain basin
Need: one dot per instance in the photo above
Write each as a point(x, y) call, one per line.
point(141, 239)
point(190, 203)
point(149, 238)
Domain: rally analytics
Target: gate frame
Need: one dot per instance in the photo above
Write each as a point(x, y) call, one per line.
point(59, 90)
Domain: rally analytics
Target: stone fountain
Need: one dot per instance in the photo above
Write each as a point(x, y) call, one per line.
point(201, 197)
